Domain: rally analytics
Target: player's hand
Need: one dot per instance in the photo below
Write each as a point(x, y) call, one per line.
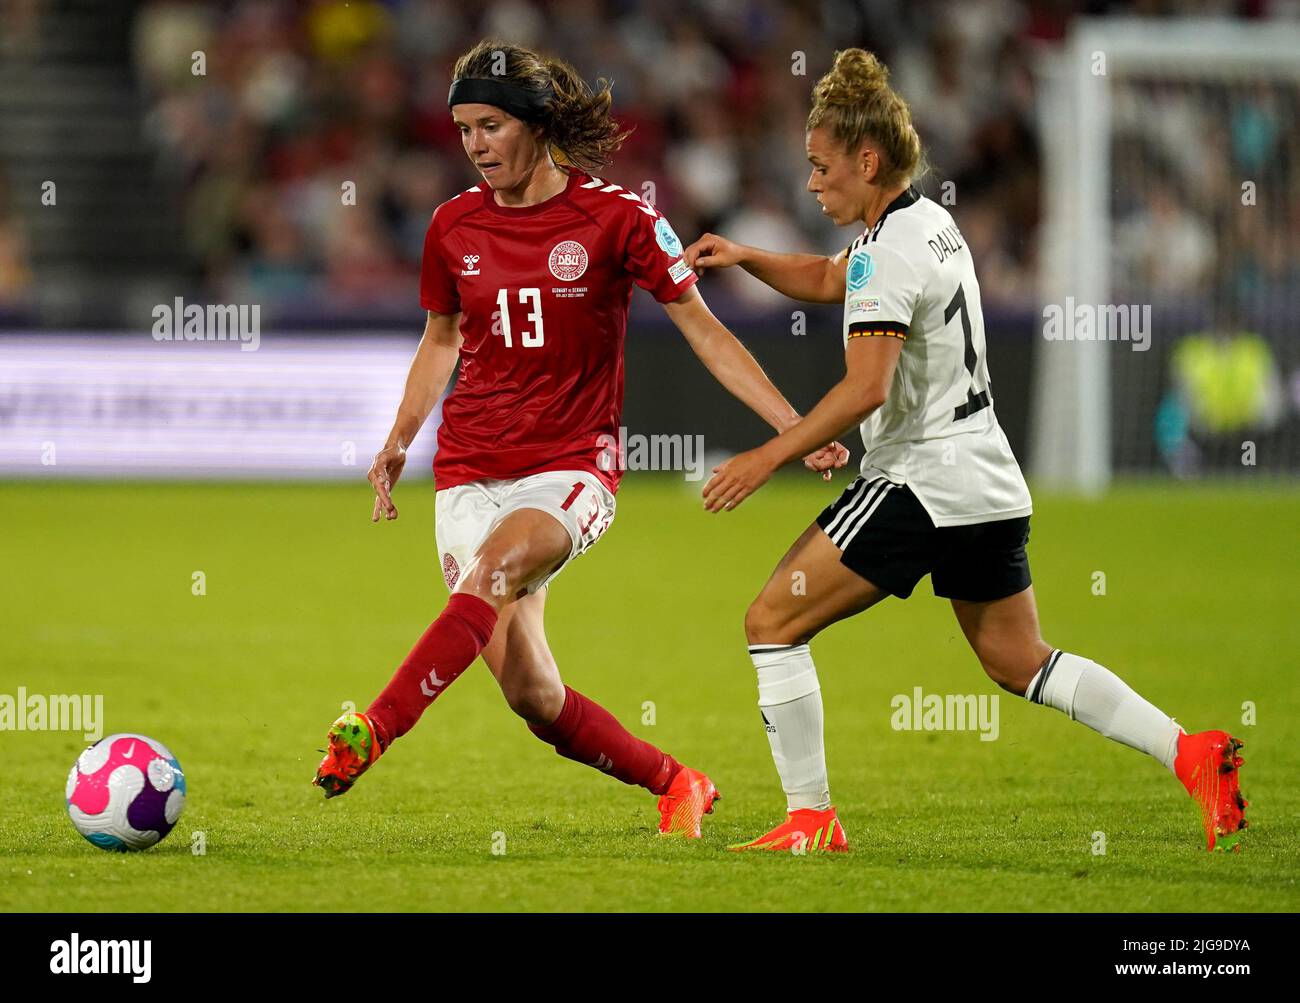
point(829, 457)
point(383, 474)
point(712, 251)
point(736, 479)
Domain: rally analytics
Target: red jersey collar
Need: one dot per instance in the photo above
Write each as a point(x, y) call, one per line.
point(576, 178)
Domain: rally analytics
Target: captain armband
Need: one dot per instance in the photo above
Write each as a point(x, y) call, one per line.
point(878, 329)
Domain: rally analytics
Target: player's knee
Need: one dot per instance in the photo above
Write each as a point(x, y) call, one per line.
point(495, 570)
point(1010, 659)
point(1012, 674)
point(536, 703)
point(1010, 681)
point(766, 624)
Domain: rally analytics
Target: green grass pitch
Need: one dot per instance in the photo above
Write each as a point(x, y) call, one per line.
point(309, 605)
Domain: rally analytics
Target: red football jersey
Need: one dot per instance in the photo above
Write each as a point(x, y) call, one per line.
point(543, 292)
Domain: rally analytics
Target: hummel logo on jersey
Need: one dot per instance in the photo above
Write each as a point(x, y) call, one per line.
point(471, 264)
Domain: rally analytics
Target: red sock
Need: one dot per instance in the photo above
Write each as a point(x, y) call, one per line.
point(587, 733)
point(441, 654)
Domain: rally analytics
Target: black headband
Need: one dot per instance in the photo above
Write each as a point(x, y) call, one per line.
point(521, 102)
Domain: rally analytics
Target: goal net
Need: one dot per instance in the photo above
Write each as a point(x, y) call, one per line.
point(1170, 280)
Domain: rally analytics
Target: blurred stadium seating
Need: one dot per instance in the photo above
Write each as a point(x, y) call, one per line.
point(224, 186)
point(247, 159)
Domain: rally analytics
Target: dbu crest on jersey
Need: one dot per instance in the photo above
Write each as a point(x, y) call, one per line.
point(667, 239)
point(860, 270)
point(568, 260)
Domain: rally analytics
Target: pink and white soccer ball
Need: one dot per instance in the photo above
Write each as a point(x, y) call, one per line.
point(125, 792)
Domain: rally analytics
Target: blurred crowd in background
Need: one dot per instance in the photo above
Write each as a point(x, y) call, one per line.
point(1206, 192)
point(299, 97)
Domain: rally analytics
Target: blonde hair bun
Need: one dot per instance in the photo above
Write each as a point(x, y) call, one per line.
point(855, 103)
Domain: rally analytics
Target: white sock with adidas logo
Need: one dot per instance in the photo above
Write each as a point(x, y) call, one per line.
point(790, 699)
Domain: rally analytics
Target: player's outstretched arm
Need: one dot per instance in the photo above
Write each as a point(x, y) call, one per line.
point(732, 365)
point(430, 370)
point(869, 364)
point(813, 278)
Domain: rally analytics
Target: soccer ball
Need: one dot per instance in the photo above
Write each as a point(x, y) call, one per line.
point(125, 792)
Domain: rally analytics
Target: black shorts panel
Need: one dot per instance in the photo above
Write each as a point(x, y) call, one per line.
point(984, 561)
point(886, 536)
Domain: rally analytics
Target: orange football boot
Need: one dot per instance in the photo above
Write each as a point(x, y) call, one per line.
point(1207, 764)
point(353, 748)
point(688, 799)
point(804, 829)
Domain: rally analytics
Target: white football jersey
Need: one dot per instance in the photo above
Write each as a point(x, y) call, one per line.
point(911, 277)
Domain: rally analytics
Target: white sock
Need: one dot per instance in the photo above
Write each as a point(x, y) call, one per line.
point(1093, 695)
point(790, 699)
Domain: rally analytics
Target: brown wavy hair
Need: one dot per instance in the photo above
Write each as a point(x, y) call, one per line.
point(855, 102)
point(577, 122)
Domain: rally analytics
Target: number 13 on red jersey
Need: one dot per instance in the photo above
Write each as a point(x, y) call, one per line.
point(530, 337)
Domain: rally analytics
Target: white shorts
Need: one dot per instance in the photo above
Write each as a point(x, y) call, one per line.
point(466, 513)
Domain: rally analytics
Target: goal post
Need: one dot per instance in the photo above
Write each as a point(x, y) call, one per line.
point(1090, 92)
